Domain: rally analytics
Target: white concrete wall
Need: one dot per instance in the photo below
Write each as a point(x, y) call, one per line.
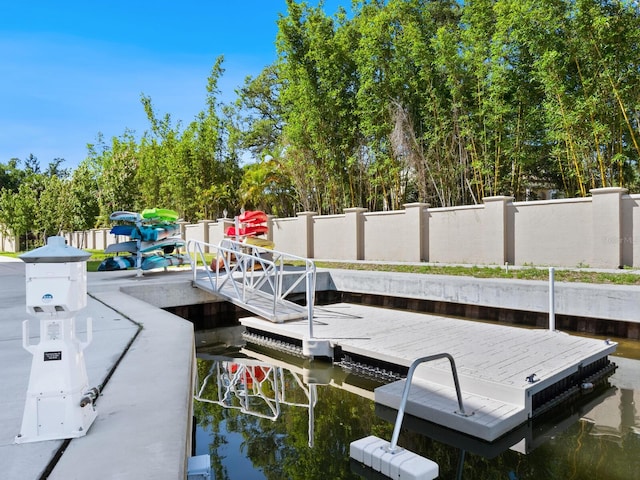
point(100, 238)
point(630, 218)
point(389, 233)
point(194, 232)
point(455, 234)
point(601, 231)
point(612, 302)
point(331, 237)
point(290, 235)
point(556, 232)
point(7, 243)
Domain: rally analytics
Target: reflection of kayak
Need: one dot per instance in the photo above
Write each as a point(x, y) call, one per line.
point(152, 233)
point(125, 216)
point(116, 263)
point(252, 216)
point(160, 214)
point(162, 261)
point(249, 373)
point(247, 231)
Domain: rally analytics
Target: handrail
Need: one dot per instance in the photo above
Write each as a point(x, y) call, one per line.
point(407, 387)
point(256, 271)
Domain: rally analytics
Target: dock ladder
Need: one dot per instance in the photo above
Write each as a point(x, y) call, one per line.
point(387, 458)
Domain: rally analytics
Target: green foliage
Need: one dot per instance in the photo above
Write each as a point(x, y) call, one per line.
point(34, 205)
point(391, 102)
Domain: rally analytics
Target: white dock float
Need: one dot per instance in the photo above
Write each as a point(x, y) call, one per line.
point(401, 464)
point(493, 362)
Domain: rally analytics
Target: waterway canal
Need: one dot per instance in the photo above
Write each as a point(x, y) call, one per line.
point(266, 415)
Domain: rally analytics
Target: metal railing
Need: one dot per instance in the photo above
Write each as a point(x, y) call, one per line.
point(407, 387)
point(247, 272)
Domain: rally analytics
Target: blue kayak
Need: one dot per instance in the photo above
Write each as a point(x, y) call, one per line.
point(153, 233)
point(125, 230)
point(124, 216)
point(163, 261)
point(117, 263)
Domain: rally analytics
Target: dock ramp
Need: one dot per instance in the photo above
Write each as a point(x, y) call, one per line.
point(256, 279)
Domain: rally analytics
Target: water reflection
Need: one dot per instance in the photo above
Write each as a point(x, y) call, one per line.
point(255, 388)
point(290, 418)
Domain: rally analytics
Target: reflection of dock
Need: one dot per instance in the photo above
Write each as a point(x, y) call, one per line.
point(507, 374)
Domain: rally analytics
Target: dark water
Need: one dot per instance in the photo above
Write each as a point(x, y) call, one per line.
point(263, 415)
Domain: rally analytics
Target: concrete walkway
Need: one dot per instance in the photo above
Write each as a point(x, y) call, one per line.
point(143, 428)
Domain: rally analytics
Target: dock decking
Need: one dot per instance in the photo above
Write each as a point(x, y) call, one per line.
point(495, 363)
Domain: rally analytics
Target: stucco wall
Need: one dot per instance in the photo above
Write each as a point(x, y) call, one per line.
point(289, 234)
point(552, 232)
point(331, 236)
point(630, 239)
point(455, 234)
point(601, 231)
point(7, 243)
point(389, 232)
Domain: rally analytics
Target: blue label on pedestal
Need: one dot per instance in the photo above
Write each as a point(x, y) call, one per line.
point(49, 356)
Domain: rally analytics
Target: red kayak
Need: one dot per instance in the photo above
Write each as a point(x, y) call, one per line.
point(247, 231)
point(252, 217)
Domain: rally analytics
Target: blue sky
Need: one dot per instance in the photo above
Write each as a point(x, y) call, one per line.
point(70, 70)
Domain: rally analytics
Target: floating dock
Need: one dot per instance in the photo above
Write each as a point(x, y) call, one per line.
point(507, 375)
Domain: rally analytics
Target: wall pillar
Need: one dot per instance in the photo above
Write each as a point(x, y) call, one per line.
point(306, 242)
point(495, 241)
point(204, 226)
point(216, 230)
point(606, 205)
point(91, 241)
point(354, 233)
point(417, 242)
point(104, 236)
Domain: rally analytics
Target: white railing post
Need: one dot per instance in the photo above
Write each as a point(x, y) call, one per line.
point(552, 300)
point(310, 288)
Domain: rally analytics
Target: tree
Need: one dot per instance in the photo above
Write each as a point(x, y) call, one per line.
point(10, 175)
point(116, 166)
point(84, 206)
point(317, 98)
point(265, 186)
point(18, 209)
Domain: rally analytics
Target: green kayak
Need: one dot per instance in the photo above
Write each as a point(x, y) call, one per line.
point(160, 214)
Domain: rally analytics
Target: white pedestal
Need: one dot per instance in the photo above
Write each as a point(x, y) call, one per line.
point(56, 406)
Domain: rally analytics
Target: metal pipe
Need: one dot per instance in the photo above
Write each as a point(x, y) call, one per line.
point(90, 396)
point(407, 387)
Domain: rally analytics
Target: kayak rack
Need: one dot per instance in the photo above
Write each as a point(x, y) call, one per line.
point(259, 280)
